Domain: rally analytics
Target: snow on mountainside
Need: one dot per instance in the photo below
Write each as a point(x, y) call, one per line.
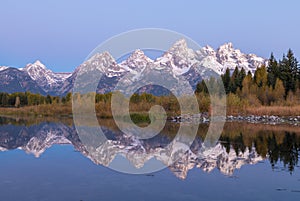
point(47, 80)
point(99, 64)
point(63, 76)
point(136, 61)
point(179, 62)
point(228, 57)
point(179, 58)
point(136, 64)
point(102, 62)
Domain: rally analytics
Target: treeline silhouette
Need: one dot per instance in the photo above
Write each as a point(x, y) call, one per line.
point(28, 99)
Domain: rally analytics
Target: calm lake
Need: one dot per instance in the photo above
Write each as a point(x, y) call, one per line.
point(45, 160)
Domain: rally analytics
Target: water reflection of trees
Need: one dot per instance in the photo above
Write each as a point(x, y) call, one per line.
point(274, 144)
point(287, 151)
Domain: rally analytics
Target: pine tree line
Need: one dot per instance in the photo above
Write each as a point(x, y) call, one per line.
point(20, 99)
point(278, 83)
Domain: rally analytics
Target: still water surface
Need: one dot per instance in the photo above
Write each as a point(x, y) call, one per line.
point(46, 161)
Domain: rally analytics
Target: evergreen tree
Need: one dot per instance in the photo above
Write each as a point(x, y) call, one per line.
point(249, 74)
point(4, 99)
point(273, 71)
point(234, 80)
point(293, 64)
point(226, 81)
point(240, 79)
point(288, 71)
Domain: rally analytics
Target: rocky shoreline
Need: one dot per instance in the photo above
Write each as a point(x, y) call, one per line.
point(264, 119)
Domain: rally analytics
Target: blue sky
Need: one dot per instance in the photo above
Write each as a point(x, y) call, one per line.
point(62, 33)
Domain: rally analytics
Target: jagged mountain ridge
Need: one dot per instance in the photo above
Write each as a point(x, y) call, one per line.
point(179, 61)
point(49, 81)
point(230, 58)
point(34, 77)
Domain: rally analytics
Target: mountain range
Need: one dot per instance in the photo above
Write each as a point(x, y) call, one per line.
point(179, 61)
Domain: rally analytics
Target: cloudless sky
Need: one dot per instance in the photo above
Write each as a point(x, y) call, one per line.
point(62, 33)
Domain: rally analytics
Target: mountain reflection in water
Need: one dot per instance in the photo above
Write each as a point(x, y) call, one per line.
point(240, 144)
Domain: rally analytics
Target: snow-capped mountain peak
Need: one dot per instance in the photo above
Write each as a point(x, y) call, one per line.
point(104, 59)
point(139, 55)
point(179, 46)
point(36, 65)
point(36, 70)
point(227, 46)
point(137, 60)
point(179, 60)
point(39, 63)
point(208, 50)
point(226, 56)
point(47, 79)
point(98, 61)
point(180, 49)
point(103, 62)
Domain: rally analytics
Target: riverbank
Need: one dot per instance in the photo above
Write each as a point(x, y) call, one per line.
point(262, 114)
point(38, 110)
point(282, 111)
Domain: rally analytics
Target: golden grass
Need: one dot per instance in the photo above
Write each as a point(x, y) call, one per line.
point(103, 110)
point(274, 110)
point(38, 110)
